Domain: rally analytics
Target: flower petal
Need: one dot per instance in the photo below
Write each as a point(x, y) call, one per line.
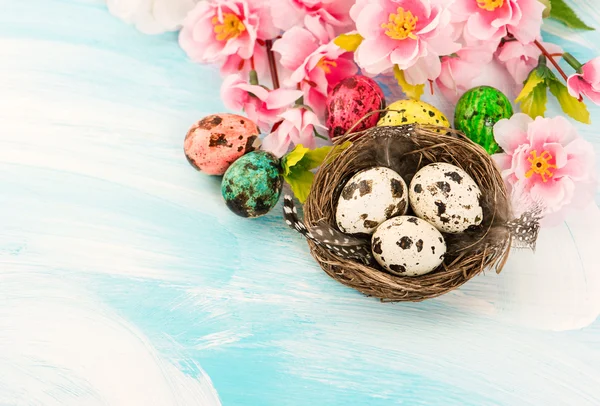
point(405, 53)
point(295, 46)
point(479, 27)
point(277, 143)
point(373, 54)
point(548, 130)
point(503, 161)
point(591, 71)
point(368, 23)
point(510, 133)
point(554, 194)
point(559, 155)
point(426, 68)
point(526, 28)
point(581, 161)
point(281, 98)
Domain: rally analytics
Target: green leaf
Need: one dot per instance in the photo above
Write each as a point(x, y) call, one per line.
point(297, 165)
point(348, 42)
point(293, 157)
point(300, 183)
point(562, 12)
point(533, 80)
point(412, 91)
point(570, 105)
point(315, 157)
point(533, 97)
point(534, 104)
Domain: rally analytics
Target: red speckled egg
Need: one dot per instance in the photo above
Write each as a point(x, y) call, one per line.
point(216, 141)
point(349, 101)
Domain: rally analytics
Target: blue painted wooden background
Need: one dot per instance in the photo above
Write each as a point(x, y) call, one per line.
point(125, 280)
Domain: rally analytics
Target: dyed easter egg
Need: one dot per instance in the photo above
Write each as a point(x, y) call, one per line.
point(251, 185)
point(216, 141)
point(369, 198)
point(413, 111)
point(476, 113)
point(447, 197)
point(350, 101)
point(408, 246)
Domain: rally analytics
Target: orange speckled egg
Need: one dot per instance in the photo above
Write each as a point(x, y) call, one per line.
point(216, 141)
point(350, 101)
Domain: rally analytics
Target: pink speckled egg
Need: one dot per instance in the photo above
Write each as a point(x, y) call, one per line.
point(216, 141)
point(349, 101)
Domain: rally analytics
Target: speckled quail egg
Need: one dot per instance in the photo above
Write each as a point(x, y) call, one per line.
point(251, 185)
point(369, 198)
point(408, 246)
point(350, 101)
point(447, 197)
point(216, 141)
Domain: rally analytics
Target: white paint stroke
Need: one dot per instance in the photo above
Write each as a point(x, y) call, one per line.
point(566, 34)
point(129, 142)
point(59, 346)
point(557, 287)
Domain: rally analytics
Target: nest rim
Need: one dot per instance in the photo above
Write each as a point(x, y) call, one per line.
point(373, 281)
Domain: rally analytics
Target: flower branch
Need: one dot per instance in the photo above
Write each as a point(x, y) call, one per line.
point(551, 59)
point(272, 64)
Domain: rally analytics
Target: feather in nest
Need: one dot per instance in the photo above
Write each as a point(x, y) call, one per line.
point(323, 234)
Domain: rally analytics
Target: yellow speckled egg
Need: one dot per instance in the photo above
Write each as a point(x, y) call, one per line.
point(413, 111)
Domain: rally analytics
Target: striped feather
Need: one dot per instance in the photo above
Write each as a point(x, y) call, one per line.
point(340, 244)
point(526, 228)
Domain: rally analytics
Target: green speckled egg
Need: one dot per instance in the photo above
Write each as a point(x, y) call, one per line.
point(476, 113)
point(252, 184)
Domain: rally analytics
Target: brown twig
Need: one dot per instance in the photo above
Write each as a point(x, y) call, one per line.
point(272, 64)
point(551, 59)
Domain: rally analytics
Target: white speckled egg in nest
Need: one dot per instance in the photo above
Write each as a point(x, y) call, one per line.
point(369, 198)
point(447, 197)
point(408, 246)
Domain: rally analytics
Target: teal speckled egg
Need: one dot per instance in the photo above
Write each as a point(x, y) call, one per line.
point(252, 184)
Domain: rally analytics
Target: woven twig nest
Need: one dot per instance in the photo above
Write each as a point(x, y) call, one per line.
point(406, 149)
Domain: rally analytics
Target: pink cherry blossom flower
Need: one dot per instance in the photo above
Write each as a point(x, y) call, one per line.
point(235, 64)
point(297, 127)
point(315, 68)
point(587, 82)
point(288, 13)
point(216, 29)
point(409, 33)
point(520, 59)
point(460, 70)
point(261, 105)
point(490, 20)
point(545, 162)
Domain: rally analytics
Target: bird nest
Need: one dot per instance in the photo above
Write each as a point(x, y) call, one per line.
point(406, 149)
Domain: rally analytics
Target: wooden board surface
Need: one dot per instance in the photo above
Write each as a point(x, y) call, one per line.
point(124, 279)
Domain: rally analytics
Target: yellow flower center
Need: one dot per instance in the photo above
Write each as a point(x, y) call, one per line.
point(401, 24)
point(231, 27)
point(540, 165)
point(326, 65)
point(490, 5)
